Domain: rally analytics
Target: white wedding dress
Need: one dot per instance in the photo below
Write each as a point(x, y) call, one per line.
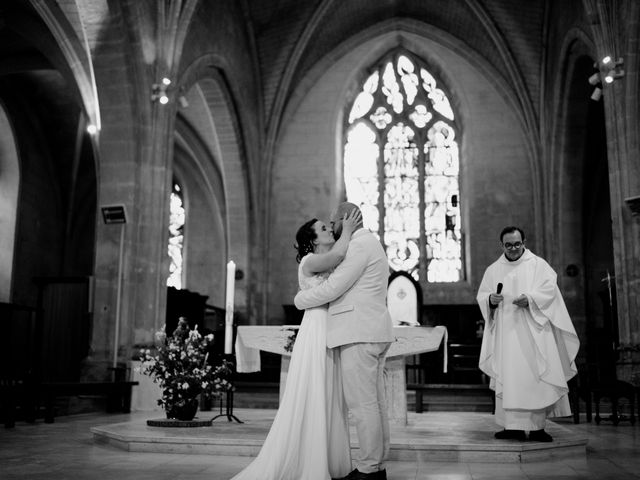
point(309, 437)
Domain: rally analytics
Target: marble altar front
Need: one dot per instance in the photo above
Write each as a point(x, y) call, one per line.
point(409, 340)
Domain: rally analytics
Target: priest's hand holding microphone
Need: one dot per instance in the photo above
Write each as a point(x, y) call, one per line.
point(496, 298)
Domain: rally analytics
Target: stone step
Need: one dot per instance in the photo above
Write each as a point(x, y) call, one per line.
point(428, 437)
point(440, 401)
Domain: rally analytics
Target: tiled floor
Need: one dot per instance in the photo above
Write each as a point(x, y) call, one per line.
point(66, 450)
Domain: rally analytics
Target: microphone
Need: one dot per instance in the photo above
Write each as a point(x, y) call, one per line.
point(499, 289)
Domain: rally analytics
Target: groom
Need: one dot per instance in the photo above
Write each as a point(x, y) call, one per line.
point(360, 327)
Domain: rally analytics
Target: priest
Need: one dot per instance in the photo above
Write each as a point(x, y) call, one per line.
point(529, 344)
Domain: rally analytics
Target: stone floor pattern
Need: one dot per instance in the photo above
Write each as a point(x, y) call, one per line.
point(66, 450)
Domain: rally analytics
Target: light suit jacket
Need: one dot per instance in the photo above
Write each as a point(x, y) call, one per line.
point(357, 295)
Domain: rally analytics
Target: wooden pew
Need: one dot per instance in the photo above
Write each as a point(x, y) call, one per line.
point(118, 394)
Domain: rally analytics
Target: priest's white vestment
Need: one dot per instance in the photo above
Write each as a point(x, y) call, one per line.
point(528, 352)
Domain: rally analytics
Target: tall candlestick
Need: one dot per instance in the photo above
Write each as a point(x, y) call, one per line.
point(228, 331)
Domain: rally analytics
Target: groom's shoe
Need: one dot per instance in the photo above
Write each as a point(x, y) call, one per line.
point(358, 475)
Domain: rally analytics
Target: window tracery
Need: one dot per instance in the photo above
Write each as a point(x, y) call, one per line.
point(177, 217)
point(401, 165)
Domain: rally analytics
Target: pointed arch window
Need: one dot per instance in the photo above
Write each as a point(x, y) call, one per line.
point(401, 165)
point(177, 217)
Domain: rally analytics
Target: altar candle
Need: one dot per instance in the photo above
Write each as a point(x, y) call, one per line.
point(228, 331)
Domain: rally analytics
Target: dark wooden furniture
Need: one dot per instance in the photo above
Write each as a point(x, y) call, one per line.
point(463, 364)
point(463, 324)
point(580, 390)
point(185, 303)
point(292, 316)
point(118, 394)
point(65, 324)
point(19, 362)
point(614, 391)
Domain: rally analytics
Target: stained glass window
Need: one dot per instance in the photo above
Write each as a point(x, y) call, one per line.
point(176, 236)
point(401, 165)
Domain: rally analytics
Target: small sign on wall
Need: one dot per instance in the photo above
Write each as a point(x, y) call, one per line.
point(114, 214)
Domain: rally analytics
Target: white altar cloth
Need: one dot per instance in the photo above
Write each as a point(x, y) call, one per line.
point(273, 338)
point(409, 340)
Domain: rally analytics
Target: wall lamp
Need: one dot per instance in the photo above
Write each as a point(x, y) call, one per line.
point(614, 69)
point(597, 83)
point(159, 91)
point(633, 203)
point(608, 70)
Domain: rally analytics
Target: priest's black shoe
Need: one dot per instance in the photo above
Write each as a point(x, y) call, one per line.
point(540, 436)
point(358, 475)
point(511, 435)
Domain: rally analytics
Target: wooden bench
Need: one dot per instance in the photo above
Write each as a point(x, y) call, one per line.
point(14, 394)
point(470, 390)
point(118, 394)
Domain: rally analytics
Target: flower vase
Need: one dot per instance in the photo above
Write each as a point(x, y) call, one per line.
point(184, 412)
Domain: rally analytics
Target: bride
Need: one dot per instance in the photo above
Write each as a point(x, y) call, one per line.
point(309, 437)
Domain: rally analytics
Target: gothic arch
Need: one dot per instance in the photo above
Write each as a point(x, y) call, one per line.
point(203, 189)
point(9, 186)
point(216, 122)
point(572, 73)
point(78, 65)
point(579, 193)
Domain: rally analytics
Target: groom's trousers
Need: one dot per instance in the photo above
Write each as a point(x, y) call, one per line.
point(362, 367)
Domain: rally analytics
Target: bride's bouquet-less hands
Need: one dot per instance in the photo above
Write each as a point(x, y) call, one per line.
point(180, 367)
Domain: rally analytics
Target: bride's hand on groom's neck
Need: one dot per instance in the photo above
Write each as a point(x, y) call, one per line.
point(350, 222)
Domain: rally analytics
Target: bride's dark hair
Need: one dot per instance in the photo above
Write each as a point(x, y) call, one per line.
point(304, 239)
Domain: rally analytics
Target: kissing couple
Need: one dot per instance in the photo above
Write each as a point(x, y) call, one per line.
point(337, 361)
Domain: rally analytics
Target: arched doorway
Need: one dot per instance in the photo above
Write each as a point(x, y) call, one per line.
point(583, 211)
point(56, 195)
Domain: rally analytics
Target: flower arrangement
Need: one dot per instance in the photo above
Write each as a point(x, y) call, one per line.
point(291, 339)
point(180, 366)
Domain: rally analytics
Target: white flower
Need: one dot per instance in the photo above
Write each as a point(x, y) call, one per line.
point(205, 384)
point(185, 386)
point(210, 337)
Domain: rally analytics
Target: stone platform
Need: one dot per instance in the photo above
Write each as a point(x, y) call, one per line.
point(431, 436)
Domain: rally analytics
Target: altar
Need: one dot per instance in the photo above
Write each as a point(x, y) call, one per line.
point(409, 340)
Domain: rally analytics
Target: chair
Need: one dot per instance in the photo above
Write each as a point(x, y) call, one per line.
point(600, 378)
point(404, 299)
point(463, 364)
point(615, 390)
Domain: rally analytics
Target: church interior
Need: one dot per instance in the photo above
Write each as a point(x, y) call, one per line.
point(148, 145)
